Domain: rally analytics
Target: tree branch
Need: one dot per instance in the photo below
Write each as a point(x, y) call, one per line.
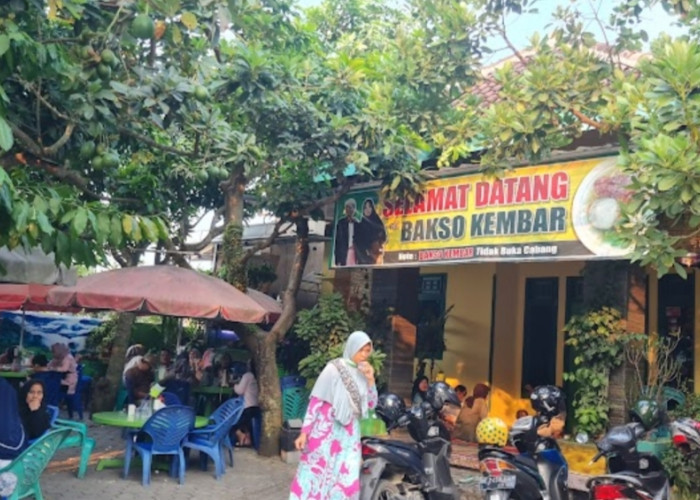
point(342, 190)
point(27, 141)
point(289, 302)
point(175, 255)
point(28, 86)
point(504, 35)
point(204, 242)
point(267, 242)
point(67, 133)
point(588, 121)
point(151, 142)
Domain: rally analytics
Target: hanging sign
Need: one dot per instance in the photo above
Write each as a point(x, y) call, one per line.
point(563, 211)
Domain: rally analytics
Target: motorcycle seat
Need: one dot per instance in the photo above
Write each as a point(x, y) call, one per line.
point(526, 461)
point(654, 482)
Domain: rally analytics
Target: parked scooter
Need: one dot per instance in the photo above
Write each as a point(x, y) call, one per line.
point(631, 474)
point(539, 470)
point(396, 470)
point(685, 433)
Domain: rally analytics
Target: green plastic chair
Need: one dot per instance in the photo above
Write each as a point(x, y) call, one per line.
point(32, 462)
point(77, 438)
point(294, 402)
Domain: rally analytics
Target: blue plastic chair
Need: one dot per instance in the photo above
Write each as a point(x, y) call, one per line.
point(162, 434)
point(181, 388)
point(210, 440)
point(53, 411)
point(224, 412)
point(170, 399)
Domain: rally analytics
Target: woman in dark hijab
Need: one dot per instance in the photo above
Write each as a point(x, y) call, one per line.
point(12, 438)
point(32, 409)
point(420, 389)
point(371, 235)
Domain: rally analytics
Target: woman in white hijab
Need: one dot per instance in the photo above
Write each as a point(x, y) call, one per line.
point(329, 468)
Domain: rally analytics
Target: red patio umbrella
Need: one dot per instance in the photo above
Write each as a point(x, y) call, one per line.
point(273, 307)
point(160, 290)
point(27, 296)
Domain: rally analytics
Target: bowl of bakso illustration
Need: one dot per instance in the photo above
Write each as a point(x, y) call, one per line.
point(597, 207)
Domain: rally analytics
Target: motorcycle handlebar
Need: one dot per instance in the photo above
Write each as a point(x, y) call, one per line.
point(596, 457)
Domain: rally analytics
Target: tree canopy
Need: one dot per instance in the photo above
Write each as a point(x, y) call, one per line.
point(569, 82)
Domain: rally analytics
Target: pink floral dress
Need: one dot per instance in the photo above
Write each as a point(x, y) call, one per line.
point(330, 465)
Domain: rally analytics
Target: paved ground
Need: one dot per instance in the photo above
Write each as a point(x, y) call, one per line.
point(252, 477)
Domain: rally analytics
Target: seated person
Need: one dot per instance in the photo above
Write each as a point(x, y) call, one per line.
point(470, 416)
point(32, 409)
point(554, 428)
point(13, 440)
point(248, 388)
point(223, 368)
point(420, 389)
point(9, 356)
point(461, 392)
point(39, 363)
point(138, 380)
point(166, 368)
point(521, 414)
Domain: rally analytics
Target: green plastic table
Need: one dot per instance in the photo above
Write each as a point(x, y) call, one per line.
point(121, 419)
point(22, 374)
point(208, 391)
point(213, 389)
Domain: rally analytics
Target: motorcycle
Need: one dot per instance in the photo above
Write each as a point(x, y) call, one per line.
point(539, 469)
point(631, 474)
point(397, 470)
point(685, 433)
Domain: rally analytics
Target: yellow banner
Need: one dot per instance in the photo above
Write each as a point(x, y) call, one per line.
point(555, 211)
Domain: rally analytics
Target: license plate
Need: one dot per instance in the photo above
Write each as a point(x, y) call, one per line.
point(505, 482)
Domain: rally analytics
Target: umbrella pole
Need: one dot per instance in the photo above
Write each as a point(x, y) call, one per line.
point(21, 332)
point(179, 336)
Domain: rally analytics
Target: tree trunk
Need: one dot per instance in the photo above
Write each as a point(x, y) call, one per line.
point(105, 391)
point(264, 347)
point(233, 233)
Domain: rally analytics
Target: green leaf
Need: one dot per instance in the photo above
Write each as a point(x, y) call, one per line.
point(189, 20)
point(80, 221)
point(102, 229)
point(667, 183)
point(115, 233)
point(4, 44)
point(128, 224)
point(44, 224)
point(6, 138)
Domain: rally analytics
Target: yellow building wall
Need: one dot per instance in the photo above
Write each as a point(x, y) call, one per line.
point(468, 327)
